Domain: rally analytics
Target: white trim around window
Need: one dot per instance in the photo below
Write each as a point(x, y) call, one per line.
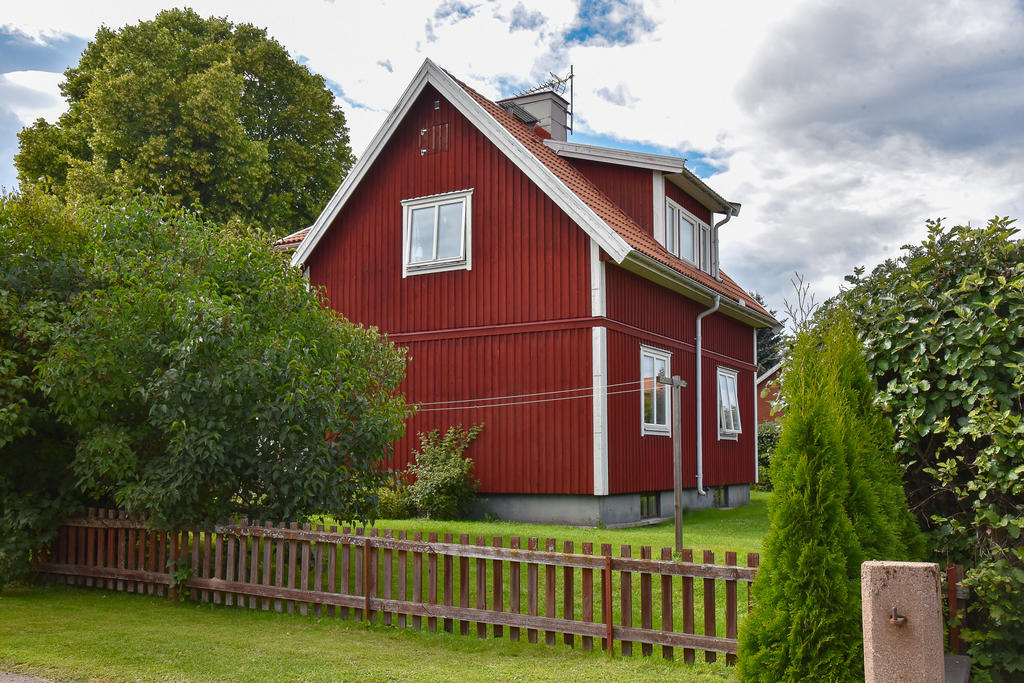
point(687, 236)
point(437, 233)
point(655, 399)
point(729, 426)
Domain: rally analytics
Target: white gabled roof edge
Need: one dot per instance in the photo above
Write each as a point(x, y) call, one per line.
point(567, 200)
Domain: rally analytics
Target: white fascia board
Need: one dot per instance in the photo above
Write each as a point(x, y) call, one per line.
point(769, 372)
point(659, 273)
point(687, 181)
point(534, 168)
point(622, 157)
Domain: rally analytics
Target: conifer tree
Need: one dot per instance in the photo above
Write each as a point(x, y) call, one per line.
point(837, 502)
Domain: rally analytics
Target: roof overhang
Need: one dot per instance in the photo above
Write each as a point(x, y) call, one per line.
point(687, 181)
point(667, 277)
point(431, 74)
point(622, 157)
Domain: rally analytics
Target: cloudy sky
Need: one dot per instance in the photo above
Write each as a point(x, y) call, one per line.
point(840, 127)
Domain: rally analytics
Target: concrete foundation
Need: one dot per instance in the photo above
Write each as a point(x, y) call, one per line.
point(611, 511)
point(905, 647)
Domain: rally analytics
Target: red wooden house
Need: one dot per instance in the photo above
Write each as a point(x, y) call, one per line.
point(540, 287)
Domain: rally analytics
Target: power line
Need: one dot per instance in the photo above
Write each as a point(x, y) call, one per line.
point(537, 393)
point(539, 400)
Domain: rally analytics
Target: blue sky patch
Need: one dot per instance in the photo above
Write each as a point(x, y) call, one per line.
point(694, 161)
point(19, 52)
point(608, 22)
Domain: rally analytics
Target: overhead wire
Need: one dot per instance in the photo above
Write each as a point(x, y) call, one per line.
point(536, 393)
point(539, 400)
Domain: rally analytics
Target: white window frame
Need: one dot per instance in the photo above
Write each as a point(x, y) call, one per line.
point(702, 258)
point(655, 428)
point(464, 261)
point(732, 426)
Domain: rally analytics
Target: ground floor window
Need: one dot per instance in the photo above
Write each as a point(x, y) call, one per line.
point(728, 405)
point(655, 396)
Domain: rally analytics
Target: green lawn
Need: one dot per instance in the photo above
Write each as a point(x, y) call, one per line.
point(79, 634)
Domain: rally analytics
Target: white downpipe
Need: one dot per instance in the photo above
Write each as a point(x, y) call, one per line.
point(757, 454)
point(700, 398)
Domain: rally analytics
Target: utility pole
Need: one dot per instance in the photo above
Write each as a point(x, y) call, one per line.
point(677, 451)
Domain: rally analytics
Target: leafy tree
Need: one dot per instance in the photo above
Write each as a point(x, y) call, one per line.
point(835, 506)
point(945, 347)
point(181, 370)
point(200, 110)
point(40, 270)
point(770, 340)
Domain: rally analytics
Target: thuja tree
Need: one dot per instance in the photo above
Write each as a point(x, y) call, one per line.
point(190, 376)
point(837, 503)
point(942, 326)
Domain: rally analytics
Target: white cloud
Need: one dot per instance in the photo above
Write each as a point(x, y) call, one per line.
point(32, 94)
point(840, 127)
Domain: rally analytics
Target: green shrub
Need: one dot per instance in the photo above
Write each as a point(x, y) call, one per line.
point(767, 439)
point(945, 349)
point(395, 501)
point(444, 486)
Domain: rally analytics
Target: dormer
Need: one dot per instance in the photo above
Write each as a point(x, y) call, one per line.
point(663, 196)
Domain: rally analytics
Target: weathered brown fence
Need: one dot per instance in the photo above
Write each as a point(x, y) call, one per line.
point(396, 580)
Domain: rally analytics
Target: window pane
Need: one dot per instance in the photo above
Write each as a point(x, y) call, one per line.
point(421, 240)
point(686, 238)
point(724, 414)
point(735, 407)
point(705, 249)
point(671, 230)
point(449, 231)
point(648, 389)
point(661, 409)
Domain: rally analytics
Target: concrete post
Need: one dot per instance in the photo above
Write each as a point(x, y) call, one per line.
point(905, 646)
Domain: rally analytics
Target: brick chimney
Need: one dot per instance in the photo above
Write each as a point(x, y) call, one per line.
point(545, 109)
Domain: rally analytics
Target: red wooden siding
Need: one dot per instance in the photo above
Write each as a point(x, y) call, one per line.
point(527, 448)
point(644, 463)
point(630, 187)
point(529, 261)
point(687, 202)
point(770, 389)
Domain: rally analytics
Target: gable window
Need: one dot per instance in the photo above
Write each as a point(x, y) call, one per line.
point(654, 396)
point(436, 233)
point(728, 405)
point(686, 236)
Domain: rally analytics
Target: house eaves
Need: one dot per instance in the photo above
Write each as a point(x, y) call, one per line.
point(621, 157)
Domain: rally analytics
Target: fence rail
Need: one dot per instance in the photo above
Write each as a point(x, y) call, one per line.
point(392, 579)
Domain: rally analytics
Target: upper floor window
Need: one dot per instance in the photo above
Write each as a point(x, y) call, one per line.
point(436, 232)
point(686, 236)
point(655, 396)
point(728, 405)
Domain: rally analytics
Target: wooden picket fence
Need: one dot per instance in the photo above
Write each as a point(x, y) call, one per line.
point(395, 580)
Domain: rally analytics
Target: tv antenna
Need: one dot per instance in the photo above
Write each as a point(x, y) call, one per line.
point(558, 85)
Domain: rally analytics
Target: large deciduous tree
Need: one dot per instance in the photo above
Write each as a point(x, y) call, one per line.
point(178, 369)
point(943, 326)
point(200, 110)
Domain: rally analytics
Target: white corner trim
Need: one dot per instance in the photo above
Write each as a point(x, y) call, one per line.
point(600, 363)
point(525, 160)
point(659, 206)
point(598, 292)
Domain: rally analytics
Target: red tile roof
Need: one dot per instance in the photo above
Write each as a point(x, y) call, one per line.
point(291, 241)
point(605, 208)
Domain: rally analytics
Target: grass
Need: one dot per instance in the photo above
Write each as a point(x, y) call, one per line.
point(740, 529)
point(64, 633)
